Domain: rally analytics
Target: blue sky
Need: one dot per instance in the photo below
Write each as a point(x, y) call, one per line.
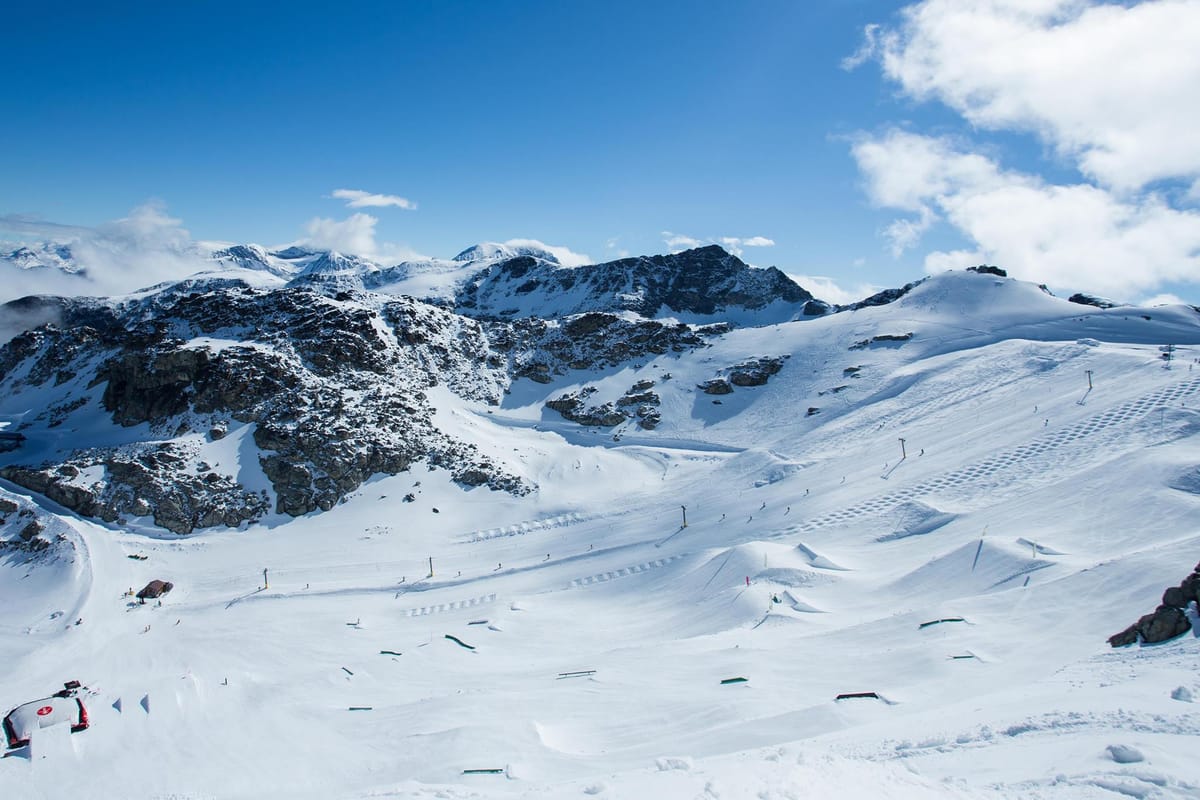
point(608, 128)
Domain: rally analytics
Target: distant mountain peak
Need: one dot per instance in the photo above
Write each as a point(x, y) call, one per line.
point(43, 254)
point(702, 281)
point(497, 251)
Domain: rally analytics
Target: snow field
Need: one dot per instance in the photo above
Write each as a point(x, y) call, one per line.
point(1044, 531)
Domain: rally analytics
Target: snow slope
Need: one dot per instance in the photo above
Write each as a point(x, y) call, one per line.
point(593, 631)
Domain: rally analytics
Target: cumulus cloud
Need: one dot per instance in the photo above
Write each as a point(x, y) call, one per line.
point(357, 198)
point(677, 241)
point(354, 235)
point(734, 244)
point(830, 290)
point(145, 247)
point(1065, 235)
point(1110, 86)
point(904, 233)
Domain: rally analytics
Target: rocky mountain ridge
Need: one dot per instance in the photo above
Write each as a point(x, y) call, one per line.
point(326, 382)
point(329, 390)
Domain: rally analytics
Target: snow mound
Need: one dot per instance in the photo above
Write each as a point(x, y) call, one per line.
point(971, 569)
point(1187, 481)
point(1124, 754)
point(915, 518)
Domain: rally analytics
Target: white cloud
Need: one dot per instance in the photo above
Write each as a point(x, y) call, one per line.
point(677, 241)
point(941, 261)
point(1166, 299)
point(359, 199)
point(141, 249)
point(904, 233)
point(828, 289)
point(1077, 235)
point(565, 256)
point(734, 244)
point(1111, 86)
point(868, 50)
point(355, 234)
point(613, 244)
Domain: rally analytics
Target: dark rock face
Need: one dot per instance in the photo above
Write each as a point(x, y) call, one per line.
point(715, 386)
point(334, 390)
point(755, 372)
point(22, 531)
point(884, 297)
point(334, 385)
point(883, 338)
point(649, 417)
point(148, 481)
point(987, 269)
point(573, 407)
point(1091, 300)
point(700, 281)
point(1168, 620)
point(539, 349)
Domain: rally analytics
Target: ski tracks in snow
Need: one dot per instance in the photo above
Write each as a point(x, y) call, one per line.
point(1099, 438)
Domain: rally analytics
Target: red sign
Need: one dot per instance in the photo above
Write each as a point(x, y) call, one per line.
point(44, 710)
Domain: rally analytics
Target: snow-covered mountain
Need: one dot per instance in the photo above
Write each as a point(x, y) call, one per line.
point(666, 526)
point(700, 282)
point(44, 255)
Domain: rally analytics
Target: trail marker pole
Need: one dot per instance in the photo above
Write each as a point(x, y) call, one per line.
point(431, 566)
point(684, 515)
point(1089, 374)
point(903, 455)
point(265, 584)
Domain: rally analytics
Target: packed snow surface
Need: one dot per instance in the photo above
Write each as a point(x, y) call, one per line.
point(582, 642)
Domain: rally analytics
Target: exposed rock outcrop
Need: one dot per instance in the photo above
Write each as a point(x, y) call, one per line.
point(1168, 620)
point(715, 386)
point(755, 372)
point(1091, 300)
point(573, 406)
point(335, 391)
